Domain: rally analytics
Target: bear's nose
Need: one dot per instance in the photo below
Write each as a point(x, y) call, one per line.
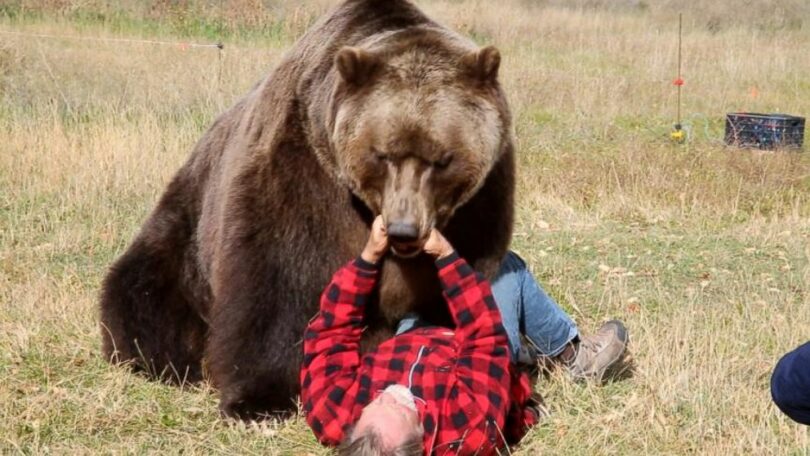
point(403, 232)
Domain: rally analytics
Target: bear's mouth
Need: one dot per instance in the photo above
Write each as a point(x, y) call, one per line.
point(406, 249)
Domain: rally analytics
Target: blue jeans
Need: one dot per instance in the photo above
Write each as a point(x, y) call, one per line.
point(525, 309)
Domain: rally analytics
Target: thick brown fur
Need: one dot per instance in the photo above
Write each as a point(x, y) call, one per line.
point(377, 109)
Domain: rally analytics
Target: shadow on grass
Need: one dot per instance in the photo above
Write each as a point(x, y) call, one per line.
point(622, 370)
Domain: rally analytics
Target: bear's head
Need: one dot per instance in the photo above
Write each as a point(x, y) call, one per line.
point(419, 120)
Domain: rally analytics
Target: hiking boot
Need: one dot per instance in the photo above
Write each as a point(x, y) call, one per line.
point(598, 352)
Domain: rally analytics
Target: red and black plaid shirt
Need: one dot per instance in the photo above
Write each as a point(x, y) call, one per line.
point(472, 397)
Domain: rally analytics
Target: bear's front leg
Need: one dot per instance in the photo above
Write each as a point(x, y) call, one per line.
point(254, 350)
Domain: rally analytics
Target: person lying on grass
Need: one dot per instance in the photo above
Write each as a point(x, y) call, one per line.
point(433, 389)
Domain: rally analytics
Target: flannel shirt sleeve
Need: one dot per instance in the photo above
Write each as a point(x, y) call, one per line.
point(480, 392)
point(329, 385)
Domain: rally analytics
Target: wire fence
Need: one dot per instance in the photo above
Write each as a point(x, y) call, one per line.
point(691, 124)
point(182, 45)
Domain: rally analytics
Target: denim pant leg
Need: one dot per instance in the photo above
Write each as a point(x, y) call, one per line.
point(526, 308)
point(410, 321)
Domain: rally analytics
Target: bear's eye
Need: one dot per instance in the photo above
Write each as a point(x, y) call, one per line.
point(443, 162)
point(380, 156)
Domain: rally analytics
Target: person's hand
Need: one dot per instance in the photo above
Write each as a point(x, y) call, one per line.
point(437, 245)
point(377, 243)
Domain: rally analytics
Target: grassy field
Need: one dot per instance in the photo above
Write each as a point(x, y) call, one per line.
point(703, 250)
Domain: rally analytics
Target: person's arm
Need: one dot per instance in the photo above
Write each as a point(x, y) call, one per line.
point(329, 385)
point(331, 353)
point(479, 393)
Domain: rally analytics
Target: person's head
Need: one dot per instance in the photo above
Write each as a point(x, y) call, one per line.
point(389, 425)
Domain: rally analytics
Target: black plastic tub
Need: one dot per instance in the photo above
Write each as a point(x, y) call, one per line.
point(764, 131)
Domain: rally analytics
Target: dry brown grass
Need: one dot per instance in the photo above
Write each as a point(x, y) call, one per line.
point(704, 251)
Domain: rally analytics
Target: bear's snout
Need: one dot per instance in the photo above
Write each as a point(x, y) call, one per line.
point(403, 232)
point(407, 209)
point(404, 238)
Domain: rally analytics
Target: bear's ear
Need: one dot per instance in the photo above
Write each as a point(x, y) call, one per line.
point(355, 65)
point(483, 64)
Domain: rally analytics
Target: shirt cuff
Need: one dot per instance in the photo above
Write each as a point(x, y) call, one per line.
point(448, 260)
point(365, 265)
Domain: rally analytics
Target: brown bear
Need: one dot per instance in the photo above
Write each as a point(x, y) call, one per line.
point(377, 109)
